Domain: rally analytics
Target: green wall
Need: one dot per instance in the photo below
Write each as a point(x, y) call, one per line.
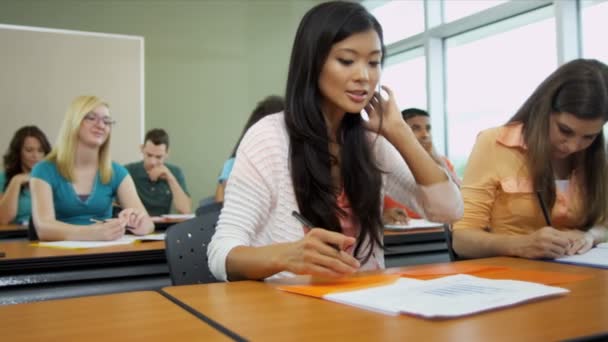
point(207, 63)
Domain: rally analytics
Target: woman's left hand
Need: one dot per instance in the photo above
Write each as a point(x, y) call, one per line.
point(386, 110)
point(580, 242)
point(135, 220)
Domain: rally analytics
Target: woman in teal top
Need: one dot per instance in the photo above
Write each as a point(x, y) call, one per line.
point(73, 189)
point(28, 146)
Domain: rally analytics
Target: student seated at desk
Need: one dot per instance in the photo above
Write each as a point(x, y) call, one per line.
point(158, 183)
point(321, 158)
point(270, 105)
point(28, 146)
point(550, 154)
point(419, 122)
point(78, 180)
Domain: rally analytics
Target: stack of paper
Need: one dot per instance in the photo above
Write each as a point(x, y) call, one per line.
point(414, 224)
point(595, 257)
point(125, 240)
point(450, 296)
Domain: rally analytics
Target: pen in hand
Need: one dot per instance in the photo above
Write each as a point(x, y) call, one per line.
point(104, 221)
point(308, 224)
point(543, 206)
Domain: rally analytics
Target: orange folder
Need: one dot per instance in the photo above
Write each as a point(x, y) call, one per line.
point(340, 285)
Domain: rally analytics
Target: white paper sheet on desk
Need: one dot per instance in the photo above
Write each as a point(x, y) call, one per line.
point(597, 257)
point(451, 296)
point(414, 224)
point(125, 240)
point(179, 216)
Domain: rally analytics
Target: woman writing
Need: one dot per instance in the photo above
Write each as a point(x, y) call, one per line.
point(28, 146)
point(73, 189)
point(550, 154)
point(321, 158)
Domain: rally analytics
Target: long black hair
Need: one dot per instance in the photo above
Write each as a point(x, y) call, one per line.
point(310, 160)
point(12, 157)
point(580, 88)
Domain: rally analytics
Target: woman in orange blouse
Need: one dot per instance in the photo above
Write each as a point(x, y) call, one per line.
point(552, 151)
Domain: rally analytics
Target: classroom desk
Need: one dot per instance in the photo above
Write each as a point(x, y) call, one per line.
point(413, 247)
point(30, 273)
point(134, 316)
point(257, 311)
point(12, 231)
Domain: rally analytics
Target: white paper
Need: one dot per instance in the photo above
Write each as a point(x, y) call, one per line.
point(380, 298)
point(597, 256)
point(125, 240)
point(179, 216)
point(414, 224)
point(450, 296)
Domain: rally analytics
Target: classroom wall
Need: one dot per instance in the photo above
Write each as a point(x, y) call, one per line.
point(207, 63)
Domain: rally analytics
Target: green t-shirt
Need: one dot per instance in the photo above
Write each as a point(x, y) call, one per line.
point(156, 196)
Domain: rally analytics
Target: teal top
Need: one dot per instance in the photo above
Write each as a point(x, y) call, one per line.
point(72, 208)
point(156, 196)
point(24, 203)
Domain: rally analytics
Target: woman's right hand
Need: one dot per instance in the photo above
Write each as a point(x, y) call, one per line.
point(21, 179)
point(546, 242)
point(395, 216)
point(108, 230)
point(320, 253)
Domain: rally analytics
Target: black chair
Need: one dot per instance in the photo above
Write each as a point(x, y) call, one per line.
point(208, 207)
point(186, 249)
point(447, 230)
point(32, 235)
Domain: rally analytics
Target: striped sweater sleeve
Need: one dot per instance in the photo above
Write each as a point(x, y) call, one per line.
point(249, 195)
point(439, 202)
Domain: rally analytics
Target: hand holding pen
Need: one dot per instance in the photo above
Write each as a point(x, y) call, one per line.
point(106, 230)
point(321, 252)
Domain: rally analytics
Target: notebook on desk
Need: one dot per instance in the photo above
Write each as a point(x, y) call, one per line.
point(595, 257)
point(414, 224)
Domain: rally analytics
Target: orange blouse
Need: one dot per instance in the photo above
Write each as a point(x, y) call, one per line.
point(498, 193)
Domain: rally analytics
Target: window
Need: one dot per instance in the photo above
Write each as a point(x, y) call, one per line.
point(594, 17)
point(405, 74)
point(490, 72)
point(399, 19)
point(456, 9)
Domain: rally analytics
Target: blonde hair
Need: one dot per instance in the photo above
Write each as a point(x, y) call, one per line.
point(64, 152)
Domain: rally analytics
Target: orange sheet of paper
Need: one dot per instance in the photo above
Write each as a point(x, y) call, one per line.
point(440, 270)
point(542, 277)
point(340, 285)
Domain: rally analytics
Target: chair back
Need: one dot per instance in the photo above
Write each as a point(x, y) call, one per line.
point(32, 235)
point(447, 230)
point(209, 207)
point(186, 249)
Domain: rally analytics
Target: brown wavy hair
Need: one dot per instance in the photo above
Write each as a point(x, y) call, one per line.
point(12, 157)
point(580, 88)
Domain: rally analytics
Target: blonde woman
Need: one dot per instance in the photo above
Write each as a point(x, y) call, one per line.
point(73, 189)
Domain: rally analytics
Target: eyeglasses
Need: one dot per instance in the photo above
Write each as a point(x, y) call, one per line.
point(106, 120)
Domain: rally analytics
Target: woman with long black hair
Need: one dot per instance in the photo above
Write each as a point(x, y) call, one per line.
point(322, 158)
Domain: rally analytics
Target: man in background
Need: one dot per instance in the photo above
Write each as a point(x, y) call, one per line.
point(159, 184)
point(420, 123)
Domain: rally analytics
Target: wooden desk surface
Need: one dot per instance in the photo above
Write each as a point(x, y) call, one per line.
point(132, 316)
point(390, 232)
point(12, 231)
point(257, 311)
point(23, 249)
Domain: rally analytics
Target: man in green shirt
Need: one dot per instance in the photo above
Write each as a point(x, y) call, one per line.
point(159, 183)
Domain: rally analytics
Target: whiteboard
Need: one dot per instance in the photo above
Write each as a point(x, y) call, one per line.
point(42, 70)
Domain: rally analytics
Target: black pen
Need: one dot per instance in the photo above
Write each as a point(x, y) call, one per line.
point(307, 223)
point(104, 221)
point(543, 206)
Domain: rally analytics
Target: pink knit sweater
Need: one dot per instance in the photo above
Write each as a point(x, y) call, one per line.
point(259, 196)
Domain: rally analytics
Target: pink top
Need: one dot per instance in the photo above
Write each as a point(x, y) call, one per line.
point(260, 198)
